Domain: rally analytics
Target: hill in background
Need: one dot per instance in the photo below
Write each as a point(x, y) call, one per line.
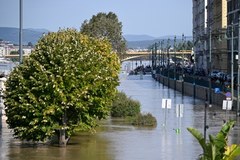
point(33, 35)
point(144, 41)
point(29, 35)
point(131, 37)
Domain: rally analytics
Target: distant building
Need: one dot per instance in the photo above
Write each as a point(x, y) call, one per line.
point(199, 32)
point(210, 16)
point(27, 50)
point(6, 48)
point(233, 8)
point(2, 51)
point(217, 21)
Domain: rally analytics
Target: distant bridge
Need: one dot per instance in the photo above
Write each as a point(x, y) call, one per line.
point(133, 55)
point(130, 55)
point(14, 56)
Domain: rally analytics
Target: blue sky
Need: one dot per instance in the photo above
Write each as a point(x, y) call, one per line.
point(151, 17)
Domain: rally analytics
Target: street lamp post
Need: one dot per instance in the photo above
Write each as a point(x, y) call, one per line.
point(152, 61)
point(162, 53)
point(175, 60)
point(238, 84)
point(159, 55)
point(210, 67)
point(194, 74)
point(162, 56)
point(205, 121)
point(232, 79)
point(194, 65)
point(20, 31)
point(183, 43)
point(155, 58)
point(155, 61)
point(168, 59)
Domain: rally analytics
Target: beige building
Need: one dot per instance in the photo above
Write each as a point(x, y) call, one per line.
point(4, 49)
point(218, 24)
point(199, 32)
point(210, 17)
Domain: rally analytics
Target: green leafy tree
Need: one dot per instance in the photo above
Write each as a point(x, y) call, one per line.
point(16, 56)
point(65, 85)
point(107, 26)
point(217, 147)
point(30, 44)
point(14, 53)
point(189, 45)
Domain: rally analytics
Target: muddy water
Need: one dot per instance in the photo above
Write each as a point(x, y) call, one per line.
point(115, 140)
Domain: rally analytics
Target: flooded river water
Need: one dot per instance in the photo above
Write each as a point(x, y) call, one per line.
point(115, 140)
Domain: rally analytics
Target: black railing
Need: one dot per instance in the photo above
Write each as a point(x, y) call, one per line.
point(199, 80)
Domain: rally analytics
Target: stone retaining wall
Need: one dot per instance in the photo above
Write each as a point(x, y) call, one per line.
point(200, 91)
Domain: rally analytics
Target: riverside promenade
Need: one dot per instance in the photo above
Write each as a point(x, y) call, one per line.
point(191, 89)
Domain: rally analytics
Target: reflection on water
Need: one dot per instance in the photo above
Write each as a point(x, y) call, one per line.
point(116, 140)
point(82, 146)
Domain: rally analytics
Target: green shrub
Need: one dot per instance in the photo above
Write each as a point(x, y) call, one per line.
point(144, 120)
point(124, 106)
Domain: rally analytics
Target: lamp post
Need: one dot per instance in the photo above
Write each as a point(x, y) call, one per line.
point(159, 55)
point(168, 59)
point(194, 65)
point(155, 56)
point(162, 56)
point(152, 61)
point(175, 65)
point(20, 31)
point(183, 43)
point(210, 67)
point(205, 118)
point(238, 84)
point(232, 85)
point(194, 74)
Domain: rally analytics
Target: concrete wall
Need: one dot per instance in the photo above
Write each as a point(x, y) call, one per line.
point(200, 91)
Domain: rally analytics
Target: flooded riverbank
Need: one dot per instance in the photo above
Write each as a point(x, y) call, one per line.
point(117, 141)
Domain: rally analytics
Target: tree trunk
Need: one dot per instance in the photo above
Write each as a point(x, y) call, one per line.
point(62, 132)
point(62, 138)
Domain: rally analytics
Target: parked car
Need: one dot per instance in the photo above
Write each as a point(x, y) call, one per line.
point(200, 72)
point(228, 77)
point(221, 76)
point(213, 74)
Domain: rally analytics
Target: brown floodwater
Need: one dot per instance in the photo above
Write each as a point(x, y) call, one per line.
point(116, 140)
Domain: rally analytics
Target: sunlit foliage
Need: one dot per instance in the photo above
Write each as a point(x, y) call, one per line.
point(106, 26)
point(67, 84)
